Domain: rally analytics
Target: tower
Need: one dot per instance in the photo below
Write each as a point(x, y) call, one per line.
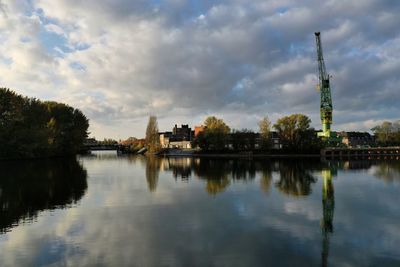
point(324, 87)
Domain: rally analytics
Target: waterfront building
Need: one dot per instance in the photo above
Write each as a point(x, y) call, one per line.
point(180, 137)
point(357, 139)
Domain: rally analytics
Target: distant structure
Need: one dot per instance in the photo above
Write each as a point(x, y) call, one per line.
point(357, 139)
point(326, 107)
point(324, 87)
point(180, 137)
point(90, 142)
point(199, 129)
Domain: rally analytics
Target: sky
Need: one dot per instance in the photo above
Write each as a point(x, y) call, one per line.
point(120, 61)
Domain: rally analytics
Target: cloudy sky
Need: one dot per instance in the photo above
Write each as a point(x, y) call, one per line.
point(120, 61)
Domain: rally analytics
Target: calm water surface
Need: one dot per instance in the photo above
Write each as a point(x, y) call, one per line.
point(104, 210)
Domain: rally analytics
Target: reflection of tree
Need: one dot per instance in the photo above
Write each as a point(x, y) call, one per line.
point(215, 172)
point(243, 170)
point(266, 176)
point(295, 179)
point(388, 171)
point(152, 171)
point(31, 186)
point(215, 186)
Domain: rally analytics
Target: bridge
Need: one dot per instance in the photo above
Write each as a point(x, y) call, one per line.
point(117, 147)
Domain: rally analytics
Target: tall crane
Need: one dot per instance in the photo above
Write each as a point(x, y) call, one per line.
point(324, 87)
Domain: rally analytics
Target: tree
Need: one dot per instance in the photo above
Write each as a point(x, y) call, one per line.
point(216, 125)
point(265, 128)
point(152, 137)
point(388, 133)
point(243, 140)
point(215, 136)
point(31, 128)
point(291, 129)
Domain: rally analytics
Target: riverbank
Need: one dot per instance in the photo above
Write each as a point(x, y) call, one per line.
point(197, 154)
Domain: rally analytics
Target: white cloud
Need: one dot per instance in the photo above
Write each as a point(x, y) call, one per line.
point(120, 61)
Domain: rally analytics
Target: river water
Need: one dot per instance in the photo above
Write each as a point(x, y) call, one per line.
point(106, 210)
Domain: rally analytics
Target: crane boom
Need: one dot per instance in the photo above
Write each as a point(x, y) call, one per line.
point(324, 85)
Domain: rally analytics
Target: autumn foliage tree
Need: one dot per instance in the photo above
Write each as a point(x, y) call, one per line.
point(215, 136)
point(296, 135)
point(387, 133)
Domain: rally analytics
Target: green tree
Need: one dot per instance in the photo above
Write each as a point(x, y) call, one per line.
point(152, 137)
point(215, 136)
point(291, 130)
point(31, 128)
point(243, 140)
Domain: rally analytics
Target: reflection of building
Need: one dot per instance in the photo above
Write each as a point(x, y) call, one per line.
point(178, 138)
point(180, 167)
point(357, 139)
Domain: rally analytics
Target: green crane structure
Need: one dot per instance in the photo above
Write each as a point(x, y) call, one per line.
point(324, 87)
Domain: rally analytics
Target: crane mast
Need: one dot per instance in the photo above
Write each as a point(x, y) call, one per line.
point(324, 86)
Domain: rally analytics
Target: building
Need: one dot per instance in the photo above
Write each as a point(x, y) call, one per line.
point(180, 137)
point(357, 139)
point(198, 129)
point(274, 138)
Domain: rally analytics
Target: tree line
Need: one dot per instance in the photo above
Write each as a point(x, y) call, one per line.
point(31, 128)
point(387, 133)
point(293, 132)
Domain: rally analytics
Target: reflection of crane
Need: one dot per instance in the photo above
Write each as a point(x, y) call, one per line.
point(324, 86)
point(328, 207)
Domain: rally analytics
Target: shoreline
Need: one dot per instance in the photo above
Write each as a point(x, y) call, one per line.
point(238, 155)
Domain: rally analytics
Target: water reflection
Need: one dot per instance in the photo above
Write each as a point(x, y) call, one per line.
point(27, 187)
point(295, 178)
point(271, 213)
point(389, 171)
point(328, 207)
point(153, 165)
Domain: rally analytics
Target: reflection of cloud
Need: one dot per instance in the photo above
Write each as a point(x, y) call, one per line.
point(119, 223)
